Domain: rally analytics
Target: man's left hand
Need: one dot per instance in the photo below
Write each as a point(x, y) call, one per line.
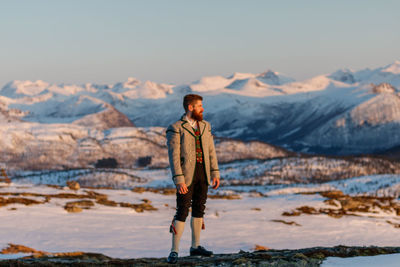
point(215, 183)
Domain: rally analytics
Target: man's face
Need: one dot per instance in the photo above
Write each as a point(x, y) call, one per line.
point(197, 110)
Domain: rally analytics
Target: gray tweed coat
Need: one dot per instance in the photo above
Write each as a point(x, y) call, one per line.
point(182, 151)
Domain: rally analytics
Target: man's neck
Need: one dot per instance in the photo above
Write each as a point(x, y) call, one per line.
point(189, 117)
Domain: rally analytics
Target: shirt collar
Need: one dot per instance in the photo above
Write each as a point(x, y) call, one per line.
point(191, 122)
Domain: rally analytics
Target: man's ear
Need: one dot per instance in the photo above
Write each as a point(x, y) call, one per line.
point(190, 107)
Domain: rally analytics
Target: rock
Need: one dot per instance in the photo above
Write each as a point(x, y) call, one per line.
point(14, 249)
point(106, 202)
point(307, 210)
point(396, 225)
point(138, 207)
point(240, 261)
point(163, 191)
point(332, 194)
point(397, 209)
point(383, 88)
point(139, 189)
point(77, 206)
point(228, 196)
point(73, 208)
point(285, 257)
point(74, 185)
point(335, 213)
point(18, 200)
point(260, 248)
point(4, 176)
point(300, 256)
point(145, 200)
point(350, 204)
point(291, 213)
point(332, 202)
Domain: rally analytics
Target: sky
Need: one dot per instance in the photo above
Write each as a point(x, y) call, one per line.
point(180, 41)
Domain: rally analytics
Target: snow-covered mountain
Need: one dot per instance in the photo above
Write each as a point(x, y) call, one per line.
point(35, 146)
point(344, 112)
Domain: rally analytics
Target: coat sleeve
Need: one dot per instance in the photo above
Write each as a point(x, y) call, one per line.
point(174, 153)
point(213, 156)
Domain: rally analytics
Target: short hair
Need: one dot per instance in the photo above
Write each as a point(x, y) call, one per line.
point(189, 100)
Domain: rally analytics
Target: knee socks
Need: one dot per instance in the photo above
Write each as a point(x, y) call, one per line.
point(196, 224)
point(179, 227)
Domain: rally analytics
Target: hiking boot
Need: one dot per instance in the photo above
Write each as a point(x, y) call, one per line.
point(200, 251)
point(173, 257)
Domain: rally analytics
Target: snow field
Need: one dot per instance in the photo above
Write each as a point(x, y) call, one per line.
point(231, 225)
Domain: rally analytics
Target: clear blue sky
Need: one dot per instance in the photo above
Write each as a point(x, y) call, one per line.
point(181, 41)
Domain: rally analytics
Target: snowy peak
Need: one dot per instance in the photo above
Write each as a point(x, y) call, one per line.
point(20, 89)
point(388, 74)
point(131, 83)
point(210, 83)
point(392, 68)
point(246, 84)
point(344, 75)
point(269, 77)
point(274, 78)
point(318, 83)
point(134, 88)
point(156, 90)
point(241, 76)
point(23, 88)
point(239, 81)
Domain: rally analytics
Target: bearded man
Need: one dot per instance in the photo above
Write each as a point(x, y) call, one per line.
point(194, 167)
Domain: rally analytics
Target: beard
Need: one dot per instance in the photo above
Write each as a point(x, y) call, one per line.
point(197, 116)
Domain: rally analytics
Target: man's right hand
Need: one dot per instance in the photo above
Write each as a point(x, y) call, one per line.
point(182, 188)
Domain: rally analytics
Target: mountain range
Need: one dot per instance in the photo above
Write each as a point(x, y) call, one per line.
point(341, 113)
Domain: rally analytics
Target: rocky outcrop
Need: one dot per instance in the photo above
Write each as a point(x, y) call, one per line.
point(297, 257)
point(383, 88)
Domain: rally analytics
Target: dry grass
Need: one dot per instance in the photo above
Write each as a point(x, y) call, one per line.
point(346, 205)
point(85, 201)
point(287, 222)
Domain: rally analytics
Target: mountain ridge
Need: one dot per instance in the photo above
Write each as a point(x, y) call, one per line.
point(345, 112)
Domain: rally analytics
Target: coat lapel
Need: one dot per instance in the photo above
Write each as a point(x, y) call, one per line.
point(185, 125)
point(202, 127)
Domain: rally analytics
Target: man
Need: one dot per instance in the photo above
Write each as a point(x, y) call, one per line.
point(194, 167)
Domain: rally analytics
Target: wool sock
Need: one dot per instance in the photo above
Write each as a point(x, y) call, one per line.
point(196, 224)
point(176, 238)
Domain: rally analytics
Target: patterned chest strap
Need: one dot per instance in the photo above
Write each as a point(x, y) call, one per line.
point(199, 151)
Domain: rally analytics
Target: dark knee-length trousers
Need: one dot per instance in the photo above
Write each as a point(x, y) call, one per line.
point(196, 196)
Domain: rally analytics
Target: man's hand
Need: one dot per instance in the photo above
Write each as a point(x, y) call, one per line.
point(182, 188)
point(215, 183)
